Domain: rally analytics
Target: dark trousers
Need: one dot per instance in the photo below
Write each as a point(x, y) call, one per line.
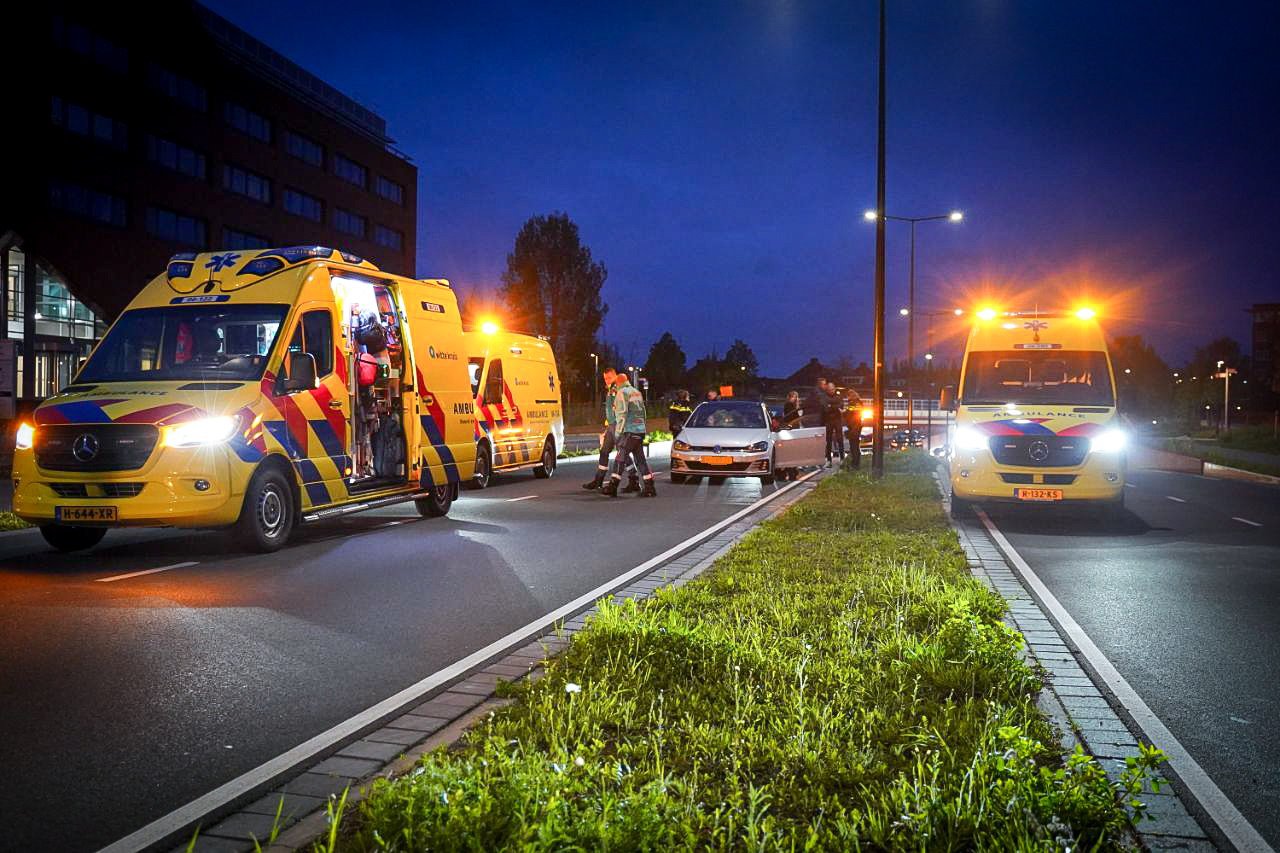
point(607, 445)
point(835, 440)
point(631, 447)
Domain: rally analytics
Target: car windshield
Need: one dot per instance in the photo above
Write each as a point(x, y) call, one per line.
point(187, 342)
point(1037, 376)
point(741, 415)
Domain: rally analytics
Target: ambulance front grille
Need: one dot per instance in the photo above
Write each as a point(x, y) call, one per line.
point(1036, 451)
point(94, 447)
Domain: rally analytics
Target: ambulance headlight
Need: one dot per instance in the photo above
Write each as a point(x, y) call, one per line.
point(680, 445)
point(968, 438)
point(202, 432)
point(1109, 441)
point(26, 436)
point(758, 447)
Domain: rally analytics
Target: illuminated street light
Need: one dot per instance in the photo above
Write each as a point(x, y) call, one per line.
point(870, 216)
point(956, 216)
point(904, 311)
point(928, 356)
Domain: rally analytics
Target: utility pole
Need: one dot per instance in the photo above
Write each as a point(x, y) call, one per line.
point(1224, 373)
point(877, 435)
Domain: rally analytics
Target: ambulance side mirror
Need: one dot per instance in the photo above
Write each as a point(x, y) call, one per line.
point(947, 399)
point(300, 372)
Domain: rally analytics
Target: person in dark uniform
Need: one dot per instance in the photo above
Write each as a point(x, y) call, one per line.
point(792, 414)
point(833, 420)
point(678, 412)
point(853, 422)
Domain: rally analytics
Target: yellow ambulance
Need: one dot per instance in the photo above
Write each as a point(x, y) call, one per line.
point(1035, 417)
point(258, 390)
point(519, 423)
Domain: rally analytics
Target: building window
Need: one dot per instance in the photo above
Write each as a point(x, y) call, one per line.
point(305, 149)
point(233, 239)
point(247, 121)
point(92, 204)
point(390, 190)
point(246, 183)
point(175, 157)
point(177, 227)
point(389, 237)
point(80, 39)
point(348, 222)
point(301, 204)
point(350, 170)
point(83, 121)
point(181, 89)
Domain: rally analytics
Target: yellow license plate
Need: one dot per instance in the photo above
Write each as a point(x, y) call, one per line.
point(1038, 494)
point(85, 513)
point(717, 460)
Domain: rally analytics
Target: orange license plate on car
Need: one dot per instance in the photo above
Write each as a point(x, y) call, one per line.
point(1038, 494)
point(85, 513)
point(717, 460)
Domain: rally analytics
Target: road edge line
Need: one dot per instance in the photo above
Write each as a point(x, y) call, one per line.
point(186, 815)
point(1234, 825)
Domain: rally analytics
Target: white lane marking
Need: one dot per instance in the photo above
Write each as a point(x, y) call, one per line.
point(1246, 521)
point(393, 523)
point(1172, 498)
point(525, 498)
point(147, 572)
point(1219, 808)
point(1131, 485)
point(186, 815)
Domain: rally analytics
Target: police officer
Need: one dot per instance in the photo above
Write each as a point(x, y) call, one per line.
point(630, 424)
point(853, 421)
point(608, 438)
point(678, 412)
point(833, 420)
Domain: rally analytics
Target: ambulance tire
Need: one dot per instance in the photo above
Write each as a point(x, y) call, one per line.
point(437, 502)
point(65, 538)
point(269, 512)
point(484, 467)
point(959, 506)
point(547, 464)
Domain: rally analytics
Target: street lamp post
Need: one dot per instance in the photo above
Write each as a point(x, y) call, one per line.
point(1224, 373)
point(595, 379)
point(910, 311)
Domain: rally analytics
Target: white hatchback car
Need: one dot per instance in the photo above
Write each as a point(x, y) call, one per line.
point(735, 438)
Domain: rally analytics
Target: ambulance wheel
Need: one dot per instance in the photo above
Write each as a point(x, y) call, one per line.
point(65, 538)
point(959, 506)
point(437, 501)
point(484, 467)
point(677, 478)
point(267, 517)
point(547, 465)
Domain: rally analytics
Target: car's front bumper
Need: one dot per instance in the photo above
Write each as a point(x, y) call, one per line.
point(743, 465)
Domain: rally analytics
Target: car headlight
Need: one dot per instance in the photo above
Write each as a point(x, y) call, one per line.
point(968, 438)
point(204, 431)
point(680, 445)
point(25, 437)
point(758, 447)
point(1109, 441)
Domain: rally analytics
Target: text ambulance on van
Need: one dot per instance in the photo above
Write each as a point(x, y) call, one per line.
point(519, 422)
point(1036, 418)
point(256, 389)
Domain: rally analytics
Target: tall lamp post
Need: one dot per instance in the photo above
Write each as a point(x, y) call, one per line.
point(910, 310)
point(595, 379)
point(877, 347)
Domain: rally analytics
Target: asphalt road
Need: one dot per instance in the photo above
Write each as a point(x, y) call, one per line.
point(1182, 592)
point(122, 700)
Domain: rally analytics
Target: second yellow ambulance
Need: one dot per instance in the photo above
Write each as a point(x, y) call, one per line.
point(1036, 419)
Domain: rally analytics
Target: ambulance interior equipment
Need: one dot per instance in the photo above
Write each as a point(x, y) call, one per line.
point(373, 331)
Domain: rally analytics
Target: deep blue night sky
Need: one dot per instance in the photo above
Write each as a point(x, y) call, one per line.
point(718, 156)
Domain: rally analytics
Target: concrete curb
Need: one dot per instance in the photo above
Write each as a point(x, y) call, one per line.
point(1074, 700)
point(443, 718)
point(1225, 472)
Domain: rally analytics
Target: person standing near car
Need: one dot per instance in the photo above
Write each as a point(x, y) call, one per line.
point(608, 438)
point(833, 420)
point(792, 414)
point(630, 419)
point(853, 421)
point(678, 412)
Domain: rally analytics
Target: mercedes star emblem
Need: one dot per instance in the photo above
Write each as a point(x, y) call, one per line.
point(1038, 451)
point(85, 447)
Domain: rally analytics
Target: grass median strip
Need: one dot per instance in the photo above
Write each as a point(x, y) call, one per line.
point(836, 681)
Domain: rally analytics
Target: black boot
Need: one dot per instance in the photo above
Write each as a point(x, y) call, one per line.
point(649, 490)
point(633, 485)
point(610, 488)
point(594, 484)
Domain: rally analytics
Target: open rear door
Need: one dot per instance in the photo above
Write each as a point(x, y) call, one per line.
point(797, 448)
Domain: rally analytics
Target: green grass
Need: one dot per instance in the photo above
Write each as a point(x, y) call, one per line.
point(1208, 451)
point(837, 681)
point(9, 521)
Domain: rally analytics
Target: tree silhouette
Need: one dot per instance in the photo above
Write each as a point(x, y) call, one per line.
point(665, 367)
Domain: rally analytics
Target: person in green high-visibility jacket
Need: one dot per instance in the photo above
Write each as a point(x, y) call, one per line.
point(608, 438)
point(630, 427)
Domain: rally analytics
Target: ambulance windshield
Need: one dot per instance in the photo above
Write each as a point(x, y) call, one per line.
point(1044, 376)
point(183, 342)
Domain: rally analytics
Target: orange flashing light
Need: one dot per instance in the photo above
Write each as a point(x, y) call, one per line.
point(1086, 313)
point(987, 314)
point(489, 327)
